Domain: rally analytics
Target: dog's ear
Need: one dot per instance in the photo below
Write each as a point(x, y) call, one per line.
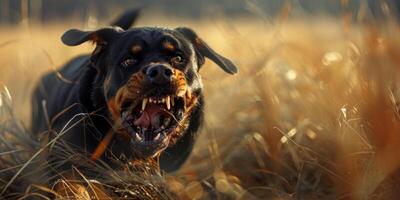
point(206, 51)
point(126, 20)
point(74, 37)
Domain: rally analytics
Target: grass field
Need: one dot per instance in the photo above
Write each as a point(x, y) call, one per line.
point(312, 114)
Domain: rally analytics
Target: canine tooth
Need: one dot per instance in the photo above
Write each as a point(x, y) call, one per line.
point(138, 137)
point(172, 101)
point(189, 93)
point(181, 93)
point(157, 137)
point(168, 102)
point(184, 103)
point(144, 102)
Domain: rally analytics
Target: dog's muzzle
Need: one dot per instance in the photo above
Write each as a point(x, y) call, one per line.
point(153, 107)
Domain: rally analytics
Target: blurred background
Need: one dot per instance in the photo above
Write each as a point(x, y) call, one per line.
point(313, 113)
point(13, 12)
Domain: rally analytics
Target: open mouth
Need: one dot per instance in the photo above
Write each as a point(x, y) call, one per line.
point(150, 121)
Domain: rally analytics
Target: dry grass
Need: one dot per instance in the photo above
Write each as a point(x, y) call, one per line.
point(312, 114)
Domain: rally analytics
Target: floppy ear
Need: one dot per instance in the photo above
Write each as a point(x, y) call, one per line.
point(126, 20)
point(74, 37)
point(207, 51)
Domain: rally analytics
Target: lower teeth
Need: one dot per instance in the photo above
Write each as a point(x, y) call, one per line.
point(143, 133)
point(138, 137)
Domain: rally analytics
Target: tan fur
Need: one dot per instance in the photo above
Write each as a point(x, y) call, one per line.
point(169, 46)
point(136, 49)
point(133, 91)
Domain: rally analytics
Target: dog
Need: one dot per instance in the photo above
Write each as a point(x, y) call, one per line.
point(138, 96)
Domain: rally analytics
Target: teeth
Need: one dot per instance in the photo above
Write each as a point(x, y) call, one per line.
point(144, 102)
point(181, 93)
point(184, 103)
point(189, 94)
point(138, 137)
point(168, 102)
point(157, 137)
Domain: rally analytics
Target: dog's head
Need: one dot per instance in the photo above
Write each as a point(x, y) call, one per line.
point(150, 81)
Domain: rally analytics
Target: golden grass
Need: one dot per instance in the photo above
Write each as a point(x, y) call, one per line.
point(312, 114)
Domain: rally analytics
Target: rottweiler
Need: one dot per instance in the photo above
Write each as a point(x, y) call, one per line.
point(139, 94)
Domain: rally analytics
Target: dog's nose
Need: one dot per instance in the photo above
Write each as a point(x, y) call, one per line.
point(159, 74)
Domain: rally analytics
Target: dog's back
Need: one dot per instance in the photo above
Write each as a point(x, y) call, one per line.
point(50, 90)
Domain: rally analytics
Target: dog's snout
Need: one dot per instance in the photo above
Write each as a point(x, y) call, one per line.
point(159, 74)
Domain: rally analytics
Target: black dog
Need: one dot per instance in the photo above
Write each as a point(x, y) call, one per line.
point(140, 90)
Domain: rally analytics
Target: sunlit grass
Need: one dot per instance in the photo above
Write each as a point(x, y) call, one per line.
point(312, 114)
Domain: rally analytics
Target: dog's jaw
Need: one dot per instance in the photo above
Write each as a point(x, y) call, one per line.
point(152, 121)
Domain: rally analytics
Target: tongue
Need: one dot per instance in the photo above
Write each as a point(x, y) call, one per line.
point(150, 117)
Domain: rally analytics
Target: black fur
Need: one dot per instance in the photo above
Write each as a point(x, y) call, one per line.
point(79, 87)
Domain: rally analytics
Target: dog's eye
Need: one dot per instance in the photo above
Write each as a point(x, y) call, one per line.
point(128, 62)
point(177, 59)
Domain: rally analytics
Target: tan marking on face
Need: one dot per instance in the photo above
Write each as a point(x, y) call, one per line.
point(179, 82)
point(113, 108)
point(135, 84)
point(134, 91)
point(128, 92)
point(136, 49)
point(169, 46)
point(190, 104)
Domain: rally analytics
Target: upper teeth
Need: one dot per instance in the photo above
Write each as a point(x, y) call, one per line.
point(189, 93)
point(144, 102)
point(138, 137)
point(157, 137)
point(166, 100)
point(183, 92)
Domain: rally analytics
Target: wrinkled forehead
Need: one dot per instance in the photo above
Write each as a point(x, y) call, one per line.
point(142, 39)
